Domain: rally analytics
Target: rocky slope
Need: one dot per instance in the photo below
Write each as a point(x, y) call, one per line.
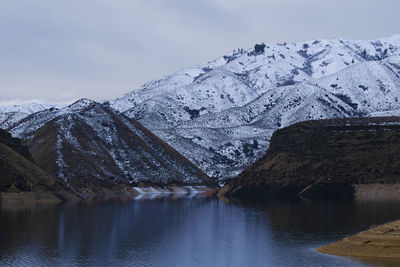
point(19, 175)
point(93, 148)
point(325, 158)
point(221, 114)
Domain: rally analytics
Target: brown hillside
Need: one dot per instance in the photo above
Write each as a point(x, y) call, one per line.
point(324, 158)
point(97, 150)
point(19, 175)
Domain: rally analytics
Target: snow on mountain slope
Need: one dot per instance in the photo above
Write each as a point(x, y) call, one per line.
point(385, 113)
point(28, 108)
point(14, 113)
point(221, 114)
point(91, 146)
point(7, 119)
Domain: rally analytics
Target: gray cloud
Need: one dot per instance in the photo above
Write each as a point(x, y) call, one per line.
point(58, 51)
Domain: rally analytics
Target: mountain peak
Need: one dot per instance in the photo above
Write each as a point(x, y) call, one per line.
point(82, 103)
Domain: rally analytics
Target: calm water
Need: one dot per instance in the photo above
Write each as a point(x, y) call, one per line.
point(184, 232)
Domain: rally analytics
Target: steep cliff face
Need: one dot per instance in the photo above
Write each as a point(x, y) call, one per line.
point(18, 174)
point(324, 158)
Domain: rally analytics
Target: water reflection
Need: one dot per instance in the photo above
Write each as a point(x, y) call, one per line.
point(180, 231)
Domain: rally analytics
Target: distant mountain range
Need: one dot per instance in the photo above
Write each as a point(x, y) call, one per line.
point(221, 114)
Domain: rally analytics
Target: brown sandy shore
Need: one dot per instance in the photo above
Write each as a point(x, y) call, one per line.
point(379, 242)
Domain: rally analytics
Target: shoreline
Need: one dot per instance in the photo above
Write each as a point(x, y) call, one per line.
point(380, 242)
point(317, 191)
point(26, 199)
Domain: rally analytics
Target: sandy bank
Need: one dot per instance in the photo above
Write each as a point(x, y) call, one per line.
point(379, 242)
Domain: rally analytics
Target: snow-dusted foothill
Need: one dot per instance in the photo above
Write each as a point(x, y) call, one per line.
point(92, 147)
point(221, 114)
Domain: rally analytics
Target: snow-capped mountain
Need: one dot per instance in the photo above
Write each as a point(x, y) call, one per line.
point(92, 146)
point(221, 114)
point(14, 113)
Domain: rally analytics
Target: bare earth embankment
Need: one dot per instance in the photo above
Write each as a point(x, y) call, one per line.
point(379, 242)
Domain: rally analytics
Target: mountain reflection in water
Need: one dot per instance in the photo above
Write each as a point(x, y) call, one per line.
point(180, 231)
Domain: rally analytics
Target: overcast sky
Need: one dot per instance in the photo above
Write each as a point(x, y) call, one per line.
point(59, 51)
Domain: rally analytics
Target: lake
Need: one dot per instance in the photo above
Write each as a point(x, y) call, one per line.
point(185, 231)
